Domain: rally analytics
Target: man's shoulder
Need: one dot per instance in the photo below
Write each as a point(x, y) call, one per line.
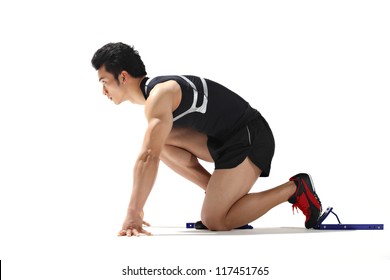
point(167, 93)
point(165, 87)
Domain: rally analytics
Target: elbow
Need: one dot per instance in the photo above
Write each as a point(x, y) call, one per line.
point(147, 160)
point(150, 155)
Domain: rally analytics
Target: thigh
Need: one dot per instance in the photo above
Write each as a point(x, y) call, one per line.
point(226, 187)
point(191, 141)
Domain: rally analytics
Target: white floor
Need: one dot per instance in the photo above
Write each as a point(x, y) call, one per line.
point(296, 253)
point(289, 253)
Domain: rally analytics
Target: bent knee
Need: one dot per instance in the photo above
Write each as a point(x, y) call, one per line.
point(215, 223)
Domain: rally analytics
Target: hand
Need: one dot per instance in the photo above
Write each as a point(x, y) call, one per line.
point(132, 226)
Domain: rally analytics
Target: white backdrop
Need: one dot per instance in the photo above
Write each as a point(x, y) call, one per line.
point(317, 70)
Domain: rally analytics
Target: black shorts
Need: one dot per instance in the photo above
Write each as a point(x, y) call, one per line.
point(254, 140)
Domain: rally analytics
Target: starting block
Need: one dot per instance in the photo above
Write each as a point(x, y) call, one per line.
point(320, 225)
point(200, 225)
point(341, 226)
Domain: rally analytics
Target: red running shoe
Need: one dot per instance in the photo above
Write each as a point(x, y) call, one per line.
point(306, 199)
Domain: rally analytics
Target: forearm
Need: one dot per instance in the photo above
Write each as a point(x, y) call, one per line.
point(145, 173)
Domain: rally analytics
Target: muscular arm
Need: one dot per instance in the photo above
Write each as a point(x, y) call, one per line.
point(158, 112)
point(146, 165)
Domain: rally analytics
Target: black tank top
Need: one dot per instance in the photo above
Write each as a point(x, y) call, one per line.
point(206, 106)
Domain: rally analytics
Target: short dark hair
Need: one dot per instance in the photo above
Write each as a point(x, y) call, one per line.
point(118, 57)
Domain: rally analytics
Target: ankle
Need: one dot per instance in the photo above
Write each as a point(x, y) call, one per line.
point(292, 187)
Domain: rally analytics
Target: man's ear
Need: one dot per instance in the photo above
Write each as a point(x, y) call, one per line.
point(123, 77)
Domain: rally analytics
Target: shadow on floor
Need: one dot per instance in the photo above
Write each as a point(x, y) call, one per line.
point(255, 231)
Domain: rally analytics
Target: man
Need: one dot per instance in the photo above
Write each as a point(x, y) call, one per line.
point(191, 118)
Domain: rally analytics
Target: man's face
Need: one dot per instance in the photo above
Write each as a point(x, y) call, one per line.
point(111, 88)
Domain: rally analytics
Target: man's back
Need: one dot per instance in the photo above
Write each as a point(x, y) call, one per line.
point(206, 106)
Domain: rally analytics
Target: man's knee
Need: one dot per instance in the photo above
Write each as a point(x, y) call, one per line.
point(214, 222)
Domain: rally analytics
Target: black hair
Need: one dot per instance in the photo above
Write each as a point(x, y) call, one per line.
point(118, 57)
